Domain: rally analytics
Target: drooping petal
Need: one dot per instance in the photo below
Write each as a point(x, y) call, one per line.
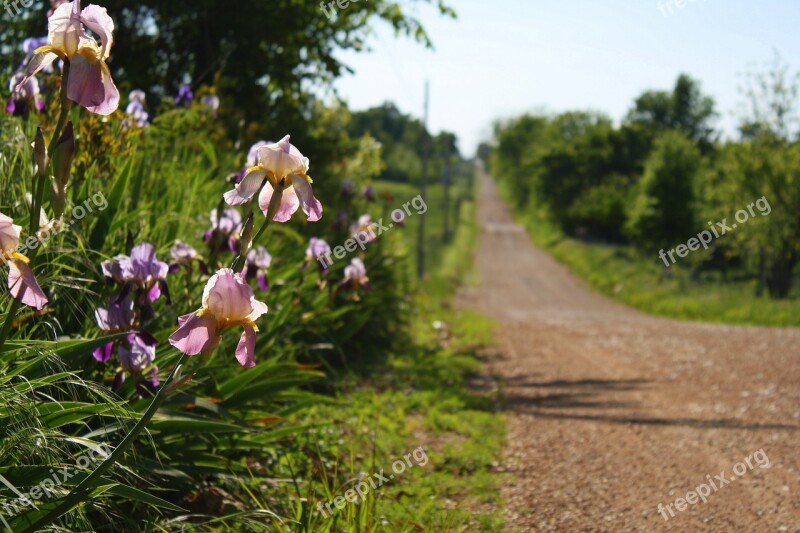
point(154, 293)
point(246, 188)
point(263, 283)
point(23, 285)
point(196, 334)
point(289, 203)
point(96, 18)
point(154, 382)
point(308, 202)
point(40, 61)
point(246, 350)
point(91, 86)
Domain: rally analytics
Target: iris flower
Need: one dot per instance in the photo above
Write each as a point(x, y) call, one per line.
point(135, 109)
point(228, 301)
point(211, 102)
point(90, 83)
point(364, 226)
point(22, 283)
point(355, 275)
point(25, 95)
point(115, 318)
point(184, 255)
point(142, 270)
point(317, 248)
point(280, 164)
point(256, 265)
point(185, 96)
point(224, 230)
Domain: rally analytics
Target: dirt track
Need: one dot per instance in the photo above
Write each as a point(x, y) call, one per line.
point(612, 412)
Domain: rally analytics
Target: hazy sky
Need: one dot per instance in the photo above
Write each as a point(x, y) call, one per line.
point(504, 57)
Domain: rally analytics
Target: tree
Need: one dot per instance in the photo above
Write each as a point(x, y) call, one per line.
point(764, 168)
point(685, 109)
point(662, 214)
point(267, 59)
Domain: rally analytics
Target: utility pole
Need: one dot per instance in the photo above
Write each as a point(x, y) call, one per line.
point(423, 188)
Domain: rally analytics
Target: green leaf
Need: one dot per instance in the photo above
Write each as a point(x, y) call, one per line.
point(140, 496)
point(106, 218)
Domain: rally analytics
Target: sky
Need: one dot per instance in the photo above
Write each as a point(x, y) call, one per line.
point(501, 58)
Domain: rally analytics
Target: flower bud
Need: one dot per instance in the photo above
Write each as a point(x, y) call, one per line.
point(246, 237)
point(63, 154)
point(40, 152)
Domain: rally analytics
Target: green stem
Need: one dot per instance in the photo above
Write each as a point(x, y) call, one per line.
point(41, 179)
point(79, 493)
point(274, 203)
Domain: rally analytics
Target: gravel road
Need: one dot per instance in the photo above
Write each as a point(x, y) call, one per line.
point(612, 412)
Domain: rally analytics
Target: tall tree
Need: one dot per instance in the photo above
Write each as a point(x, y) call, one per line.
point(684, 109)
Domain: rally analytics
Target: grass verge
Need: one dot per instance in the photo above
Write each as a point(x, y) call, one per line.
point(421, 398)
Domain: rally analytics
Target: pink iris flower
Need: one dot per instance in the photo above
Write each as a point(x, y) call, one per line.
point(278, 163)
point(90, 83)
point(22, 283)
point(228, 301)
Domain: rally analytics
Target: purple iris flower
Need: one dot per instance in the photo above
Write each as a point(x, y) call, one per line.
point(256, 265)
point(252, 160)
point(369, 193)
point(135, 110)
point(184, 255)
point(355, 276)
point(142, 271)
point(185, 96)
point(317, 248)
point(137, 354)
point(364, 227)
point(117, 317)
point(211, 102)
point(25, 95)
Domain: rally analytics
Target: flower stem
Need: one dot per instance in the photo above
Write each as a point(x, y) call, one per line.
point(80, 492)
point(277, 194)
point(40, 184)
